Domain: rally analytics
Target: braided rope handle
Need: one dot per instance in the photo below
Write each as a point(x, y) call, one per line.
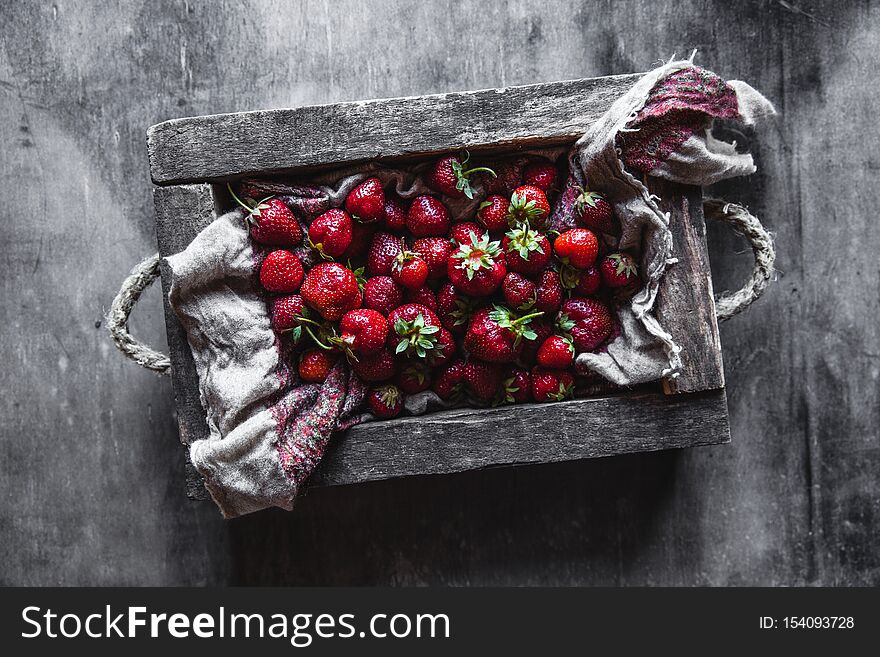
point(726, 305)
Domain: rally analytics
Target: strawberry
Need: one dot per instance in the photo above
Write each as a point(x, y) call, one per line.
point(519, 292)
point(385, 401)
point(380, 366)
point(577, 247)
point(478, 268)
point(454, 308)
point(541, 174)
point(366, 202)
point(414, 330)
point(528, 204)
point(526, 251)
point(507, 177)
point(515, 388)
point(551, 385)
point(409, 270)
point(395, 214)
point(281, 272)
point(582, 283)
point(445, 349)
point(362, 332)
point(543, 330)
point(548, 296)
point(285, 313)
point(497, 334)
point(449, 380)
point(556, 352)
point(331, 289)
point(361, 236)
point(384, 248)
point(461, 233)
point(588, 321)
point(483, 379)
point(450, 176)
point(435, 251)
point(493, 213)
point(427, 217)
point(270, 221)
point(423, 295)
point(315, 365)
point(381, 293)
point(593, 211)
point(330, 234)
point(414, 378)
point(619, 270)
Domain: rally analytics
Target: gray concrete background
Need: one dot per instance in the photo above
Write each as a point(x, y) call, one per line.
point(90, 470)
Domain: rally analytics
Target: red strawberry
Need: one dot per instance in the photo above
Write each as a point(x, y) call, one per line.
point(516, 387)
point(454, 308)
point(427, 217)
point(330, 233)
point(271, 221)
point(395, 214)
point(380, 366)
point(414, 378)
point(548, 296)
point(556, 352)
point(461, 233)
point(551, 385)
point(362, 331)
point(478, 268)
point(582, 283)
point(577, 247)
point(315, 365)
point(526, 251)
point(281, 272)
point(435, 251)
point(619, 270)
point(361, 236)
point(483, 379)
point(543, 330)
point(384, 248)
point(285, 313)
point(331, 289)
point(593, 211)
point(444, 349)
point(366, 202)
point(385, 401)
point(409, 270)
point(588, 321)
point(423, 295)
point(493, 213)
point(508, 176)
point(449, 380)
point(414, 331)
point(528, 204)
point(541, 174)
point(450, 176)
point(497, 334)
point(519, 292)
point(381, 293)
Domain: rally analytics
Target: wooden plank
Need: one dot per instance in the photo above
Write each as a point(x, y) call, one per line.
point(685, 302)
point(222, 146)
point(460, 439)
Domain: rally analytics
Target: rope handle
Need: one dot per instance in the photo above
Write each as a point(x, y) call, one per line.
point(726, 305)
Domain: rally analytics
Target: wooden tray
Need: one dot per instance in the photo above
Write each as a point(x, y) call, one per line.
point(191, 159)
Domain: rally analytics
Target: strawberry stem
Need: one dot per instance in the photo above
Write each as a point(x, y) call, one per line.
point(238, 200)
point(476, 169)
point(315, 338)
point(527, 317)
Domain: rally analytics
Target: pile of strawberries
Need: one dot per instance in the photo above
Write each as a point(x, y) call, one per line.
point(491, 308)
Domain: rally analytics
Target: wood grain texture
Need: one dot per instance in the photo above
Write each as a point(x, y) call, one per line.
point(685, 302)
point(791, 501)
point(281, 141)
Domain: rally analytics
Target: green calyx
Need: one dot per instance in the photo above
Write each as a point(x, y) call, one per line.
point(564, 323)
point(417, 373)
point(522, 211)
point(517, 325)
point(569, 276)
point(479, 254)
point(389, 395)
point(523, 241)
point(564, 392)
point(624, 265)
point(416, 339)
point(358, 275)
point(464, 308)
point(586, 199)
point(505, 395)
point(462, 180)
point(254, 209)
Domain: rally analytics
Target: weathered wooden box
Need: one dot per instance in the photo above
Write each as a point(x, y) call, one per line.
point(192, 158)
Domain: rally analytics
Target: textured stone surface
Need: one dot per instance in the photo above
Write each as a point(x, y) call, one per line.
point(90, 460)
